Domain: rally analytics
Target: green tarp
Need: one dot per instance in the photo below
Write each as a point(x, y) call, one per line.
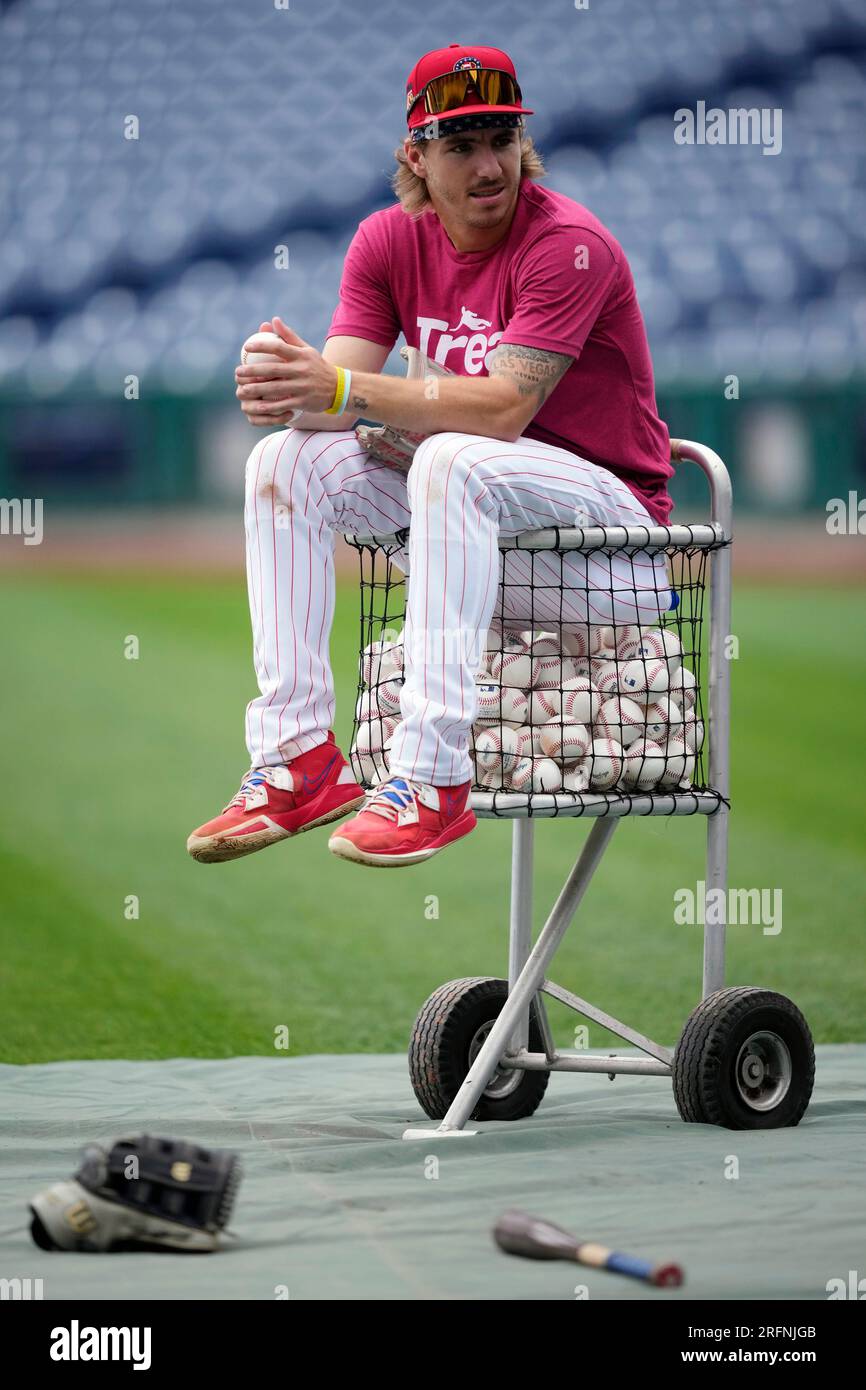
point(335, 1205)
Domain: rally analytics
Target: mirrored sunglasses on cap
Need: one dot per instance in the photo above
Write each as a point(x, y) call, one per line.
point(449, 92)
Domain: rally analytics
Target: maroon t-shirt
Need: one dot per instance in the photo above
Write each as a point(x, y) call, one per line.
point(558, 280)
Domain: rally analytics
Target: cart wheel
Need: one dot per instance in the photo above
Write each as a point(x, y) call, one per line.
point(745, 1060)
point(449, 1033)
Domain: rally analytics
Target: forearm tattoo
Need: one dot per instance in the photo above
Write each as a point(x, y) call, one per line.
point(360, 403)
point(534, 371)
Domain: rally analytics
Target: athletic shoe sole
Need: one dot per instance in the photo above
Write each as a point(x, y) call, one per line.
point(347, 849)
point(218, 849)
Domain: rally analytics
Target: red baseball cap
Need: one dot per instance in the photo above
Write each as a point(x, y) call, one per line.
point(495, 89)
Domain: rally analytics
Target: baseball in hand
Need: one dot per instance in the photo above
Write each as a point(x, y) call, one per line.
point(260, 349)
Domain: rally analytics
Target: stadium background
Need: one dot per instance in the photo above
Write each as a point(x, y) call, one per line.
point(153, 257)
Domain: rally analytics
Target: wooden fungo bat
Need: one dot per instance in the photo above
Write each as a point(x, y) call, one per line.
point(517, 1233)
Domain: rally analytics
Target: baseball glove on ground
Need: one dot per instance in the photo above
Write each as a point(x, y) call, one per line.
point(144, 1193)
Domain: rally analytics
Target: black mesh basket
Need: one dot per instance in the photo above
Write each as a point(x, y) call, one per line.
point(635, 694)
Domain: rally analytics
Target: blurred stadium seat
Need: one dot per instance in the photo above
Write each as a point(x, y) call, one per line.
point(257, 128)
point(262, 127)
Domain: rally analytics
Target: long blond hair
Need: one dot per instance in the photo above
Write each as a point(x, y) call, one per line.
point(412, 192)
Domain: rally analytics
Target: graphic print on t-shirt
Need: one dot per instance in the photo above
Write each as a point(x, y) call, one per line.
point(470, 320)
point(436, 340)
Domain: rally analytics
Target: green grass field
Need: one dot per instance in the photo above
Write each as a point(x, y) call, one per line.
point(108, 763)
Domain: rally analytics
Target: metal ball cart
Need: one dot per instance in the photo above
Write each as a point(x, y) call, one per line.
point(482, 1047)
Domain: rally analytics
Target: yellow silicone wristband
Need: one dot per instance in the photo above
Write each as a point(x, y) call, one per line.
point(335, 407)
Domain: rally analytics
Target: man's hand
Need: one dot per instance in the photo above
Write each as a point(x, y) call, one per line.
point(301, 380)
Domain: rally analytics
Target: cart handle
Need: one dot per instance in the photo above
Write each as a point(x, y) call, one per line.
point(717, 475)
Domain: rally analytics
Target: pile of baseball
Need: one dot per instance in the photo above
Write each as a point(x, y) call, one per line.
point(584, 708)
point(377, 712)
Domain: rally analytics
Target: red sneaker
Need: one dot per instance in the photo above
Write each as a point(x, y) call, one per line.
point(276, 802)
point(405, 822)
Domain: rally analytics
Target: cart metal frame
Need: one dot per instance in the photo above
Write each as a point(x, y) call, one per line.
point(506, 1046)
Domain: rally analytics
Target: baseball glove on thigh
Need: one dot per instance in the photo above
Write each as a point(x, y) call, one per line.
point(394, 447)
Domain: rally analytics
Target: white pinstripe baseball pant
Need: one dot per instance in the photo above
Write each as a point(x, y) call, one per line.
point(462, 491)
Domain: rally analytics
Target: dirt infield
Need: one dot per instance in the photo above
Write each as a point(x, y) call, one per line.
point(198, 542)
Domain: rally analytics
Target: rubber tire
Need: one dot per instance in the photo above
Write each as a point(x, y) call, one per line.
point(439, 1050)
point(704, 1060)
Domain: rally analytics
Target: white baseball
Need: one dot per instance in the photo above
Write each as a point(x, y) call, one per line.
point(627, 652)
point(515, 705)
point(566, 743)
point(541, 643)
point(514, 667)
point(544, 705)
point(367, 706)
point(489, 781)
point(536, 774)
point(371, 660)
point(640, 676)
point(546, 776)
point(575, 779)
point(684, 688)
point(575, 639)
point(671, 713)
point(373, 734)
point(605, 762)
point(601, 641)
point(528, 740)
point(391, 660)
point(625, 637)
point(644, 764)
point(493, 639)
point(496, 749)
point(498, 641)
point(662, 642)
point(552, 663)
point(388, 695)
point(262, 347)
point(656, 727)
point(599, 666)
point(679, 767)
point(624, 719)
point(369, 767)
point(693, 734)
point(553, 671)
point(488, 695)
point(606, 676)
point(580, 700)
point(520, 776)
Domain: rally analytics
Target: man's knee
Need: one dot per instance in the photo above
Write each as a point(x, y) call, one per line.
point(266, 465)
point(262, 463)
